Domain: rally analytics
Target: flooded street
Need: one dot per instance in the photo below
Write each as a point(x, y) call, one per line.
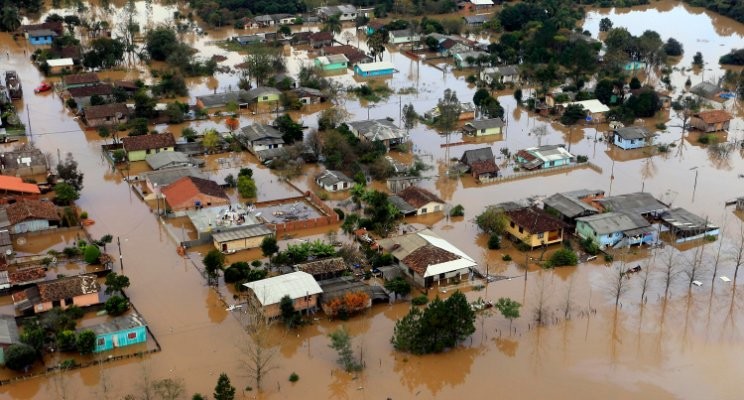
point(687, 346)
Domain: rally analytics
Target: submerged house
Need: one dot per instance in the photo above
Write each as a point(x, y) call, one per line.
point(300, 286)
point(8, 335)
point(632, 137)
point(345, 12)
point(616, 229)
point(711, 121)
point(31, 216)
point(481, 163)
point(638, 203)
point(421, 200)
point(80, 80)
point(334, 181)
point(41, 37)
point(83, 94)
point(332, 62)
point(685, 226)
point(241, 238)
point(484, 127)
point(426, 258)
point(120, 332)
point(23, 161)
point(382, 130)
point(544, 157)
point(379, 68)
point(106, 115)
point(218, 100)
point(138, 147)
point(258, 137)
point(533, 226)
point(190, 193)
point(81, 291)
point(326, 268)
point(403, 36)
point(574, 204)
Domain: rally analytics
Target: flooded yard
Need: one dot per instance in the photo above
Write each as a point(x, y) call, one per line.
point(658, 344)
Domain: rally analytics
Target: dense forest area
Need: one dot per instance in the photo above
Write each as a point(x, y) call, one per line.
point(729, 8)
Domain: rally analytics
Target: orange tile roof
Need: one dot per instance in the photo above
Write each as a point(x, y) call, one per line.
point(714, 116)
point(186, 189)
point(16, 184)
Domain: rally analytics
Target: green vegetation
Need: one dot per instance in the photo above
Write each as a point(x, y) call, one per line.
point(116, 305)
point(457, 211)
point(589, 246)
point(224, 390)
point(439, 326)
point(213, 261)
point(19, 357)
point(341, 342)
point(509, 308)
point(116, 283)
point(290, 317)
point(91, 254)
point(419, 300)
point(735, 57)
point(563, 257)
point(293, 377)
point(494, 242)
point(86, 342)
point(399, 286)
point(492, 221)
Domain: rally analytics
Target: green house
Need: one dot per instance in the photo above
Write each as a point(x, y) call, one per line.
point(332, 62)
point(138, 147)
point(264, 94)
point(120, 332)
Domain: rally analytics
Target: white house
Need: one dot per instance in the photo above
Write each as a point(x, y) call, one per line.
point(259, 137)
point(404, 36)
point(334, 181)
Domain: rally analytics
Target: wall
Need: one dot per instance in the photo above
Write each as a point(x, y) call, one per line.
point(273, 310)
point(430, 207)
point(121, 339)
point(205, 200)
point(241, 244)
point(30, 226)
point(532, 239)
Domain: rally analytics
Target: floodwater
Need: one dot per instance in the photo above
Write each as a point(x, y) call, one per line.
point(683, 345)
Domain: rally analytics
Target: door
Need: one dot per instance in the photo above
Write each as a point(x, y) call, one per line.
point(224, 246)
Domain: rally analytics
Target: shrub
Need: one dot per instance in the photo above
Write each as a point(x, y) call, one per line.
point(84, 215)
point(66, 341)
point(457, 211)
point(19, 357)
point(237, 271)
point(71, 252)
point(708, 139)
point(589, 246)
point(86, 342)
point(419, 300)
point(494, 242)
point(293, 377)
point(116, 305)
point(119, 156)
point(506, 257)
point(661, 126)
point(522, 246)
point(608, 258)
point(563, 257)
point(340, 213)
point(581, 159)
point(91, 254)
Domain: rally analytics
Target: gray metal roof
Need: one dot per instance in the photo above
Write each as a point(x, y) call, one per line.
point(377, 129)
point(270, 154)
point(295, 285)
point(260, 131)
point(482, 154)
point(401, 205)
point(612, 222)
point(8, 330)
point(486, 123)
point(476, 19)
point(262, 91)
point(637, 203)
point(169, 175)
point(4, 221)
point(683, 220)
point(508, 70)
point(221, 99)
point(242, 233)
point(633, 132)
point(331, 177)
point(568, 206)
point(167, 158)
point(119, 324)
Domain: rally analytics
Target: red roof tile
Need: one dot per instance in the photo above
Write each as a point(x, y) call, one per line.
point(31, 209)
point(148, 142)
point(15, 184)
point(420, 259)
point(714, 116)
point(534, 220)
point(186, 189)
point(418, 197)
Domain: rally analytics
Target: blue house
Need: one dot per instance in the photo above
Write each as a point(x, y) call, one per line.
point(616, 229)
point(379, 68)
point(120, 332)
point(41, 37)
point(544, 157)
point(632, 137)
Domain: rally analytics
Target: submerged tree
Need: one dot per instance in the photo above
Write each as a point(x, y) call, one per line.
point(258, 354)
point(509, 309)
point(341, 342)
point(224, 390)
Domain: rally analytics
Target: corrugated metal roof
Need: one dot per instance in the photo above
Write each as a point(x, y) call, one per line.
point(295, 285)
point(612, 222)
point(242, 233)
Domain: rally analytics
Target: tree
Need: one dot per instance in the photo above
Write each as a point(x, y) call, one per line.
point(410, 117)
point(284, 30)
point(333, 24)
point(263, 61)
point(211, 139)
point(697, 59)
point(449, 111)
point(617, 283)
point(189, 134)
point(399, 286)
point(104, 53)
point(174, 113)
point(247, 187)
point(376, 43)
point(65, 194)
point(291, 131)
point(104, 133)
point(492, 108)
point(258, 353)
point(573, 114)
point(66, 340)
point(116, 305)
point(224, 390)
point(673, 48)
point(605, 24)
point(341, 342)
point(19, 357)
point(91, 254)
point(635, 83)
point(492, 221)
point(518, 95)
point(563, 257)
point(67, 171)
point(290, 317)
point(10, 19)
point(269, 247)
point(479, 96)
point(441, 325)
point(604, 91)
point(161, 42)
point(86, 342)
point(213, 261)
point(508, 308)
point(168, 388)
point(116, 283)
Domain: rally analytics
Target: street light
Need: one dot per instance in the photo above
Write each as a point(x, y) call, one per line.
point(694, 185)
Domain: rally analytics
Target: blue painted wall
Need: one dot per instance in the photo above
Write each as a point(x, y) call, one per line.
point(40, 40)
point(626, 144)
point(380, 72)
point(122, 338)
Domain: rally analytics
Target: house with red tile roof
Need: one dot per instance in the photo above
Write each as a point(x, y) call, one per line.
point(81, 291)
point(191, 193)
point(138, 147)
point(533, 226)
point(426, 258)
point(424, 201)
point(30, 216)
point(711, 120)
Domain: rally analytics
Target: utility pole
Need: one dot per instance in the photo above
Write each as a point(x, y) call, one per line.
point(121, 258)
point(28, 119)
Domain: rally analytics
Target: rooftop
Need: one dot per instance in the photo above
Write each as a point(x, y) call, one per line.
point(714, 116)
point(295, 285)
point(376, 66)
point(106, 110)
point(401, 205)
point(68, 287)
point(186, 188)
point(482, 154)
point(8, 330)
point(636, 203)
point(683, 220)
point(325, 266)
point(78, 79)
point(119, 324)
point(221, 99)
point(61, 62)
point(169, 175)
point(476, 19)
point(260, 131)
point(165, 158)
point(593, 106)
point(418, 197)
point(101, 89)
point(31, 209)
point(148, 142)
point(486, 123)
point(612, 222)
point(568, 205)
point(377, 129)
point(15, 184)
point(331, 177)
point(222, 218)
point(444, 256)
point(634, 132)
point(534, 219)
point(41, 33)
point(244, 232)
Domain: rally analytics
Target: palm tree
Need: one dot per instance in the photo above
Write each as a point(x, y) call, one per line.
point(9, 19)
point(333, 24)
point(376, 43)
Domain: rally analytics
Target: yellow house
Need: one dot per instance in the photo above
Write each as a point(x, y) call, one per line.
point(534, 227)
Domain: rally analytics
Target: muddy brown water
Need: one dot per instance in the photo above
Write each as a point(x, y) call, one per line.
point(684, 347)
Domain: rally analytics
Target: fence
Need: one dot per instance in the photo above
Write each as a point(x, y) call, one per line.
point(528, 174)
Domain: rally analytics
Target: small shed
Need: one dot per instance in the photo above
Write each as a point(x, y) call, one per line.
point(8, 334)
point(686, 226)
point(58, 65)
point(326, 268)
point(119, 332)
point(245, 237)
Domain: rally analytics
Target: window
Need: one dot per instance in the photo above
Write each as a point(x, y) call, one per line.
point(423, 210)
point(541, 235)
point(632, 141)
point(132, 335)
point(101, 341)
point(511, 224)
point(521, 230)
point(265, 97)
